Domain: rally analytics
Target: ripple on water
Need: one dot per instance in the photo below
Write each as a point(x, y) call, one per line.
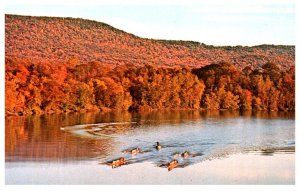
point(204, 138)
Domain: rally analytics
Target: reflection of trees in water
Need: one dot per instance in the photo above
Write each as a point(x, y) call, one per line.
point(40, 137)
point(14, 132)
point(273, 115)
point(157, 117)
point(222, 114)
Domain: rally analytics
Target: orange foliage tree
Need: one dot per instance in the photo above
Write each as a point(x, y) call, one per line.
point(46, 87)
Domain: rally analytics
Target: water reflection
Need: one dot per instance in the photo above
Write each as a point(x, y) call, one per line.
point(205, 134)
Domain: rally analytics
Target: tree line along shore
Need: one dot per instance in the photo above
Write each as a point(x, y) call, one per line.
point(36, 87)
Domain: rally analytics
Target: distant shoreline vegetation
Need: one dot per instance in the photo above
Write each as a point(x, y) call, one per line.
point(35, 87)
point(57, 39)
point(56, 64)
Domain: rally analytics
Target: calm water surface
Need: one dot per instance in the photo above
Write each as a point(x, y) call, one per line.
point(87, 140)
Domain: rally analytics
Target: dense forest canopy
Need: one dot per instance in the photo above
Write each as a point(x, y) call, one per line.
point(63, 64)
point(44, 87)
point(58, 39)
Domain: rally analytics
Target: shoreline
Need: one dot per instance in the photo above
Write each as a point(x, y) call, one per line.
point(9, 114)
point(242, 168)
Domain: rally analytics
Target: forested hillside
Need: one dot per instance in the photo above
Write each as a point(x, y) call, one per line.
point(61, 39)
point(66, 65)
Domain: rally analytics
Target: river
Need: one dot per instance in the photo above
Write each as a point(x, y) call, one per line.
point(225, 147)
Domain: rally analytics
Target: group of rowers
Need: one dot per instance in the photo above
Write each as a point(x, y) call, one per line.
point(170, 165)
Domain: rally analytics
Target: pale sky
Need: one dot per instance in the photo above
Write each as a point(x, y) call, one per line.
point(212, 24)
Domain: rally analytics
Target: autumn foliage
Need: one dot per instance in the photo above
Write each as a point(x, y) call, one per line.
point(57, 39)
point(66, 65)
point(268, 88)
point(45, 87)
